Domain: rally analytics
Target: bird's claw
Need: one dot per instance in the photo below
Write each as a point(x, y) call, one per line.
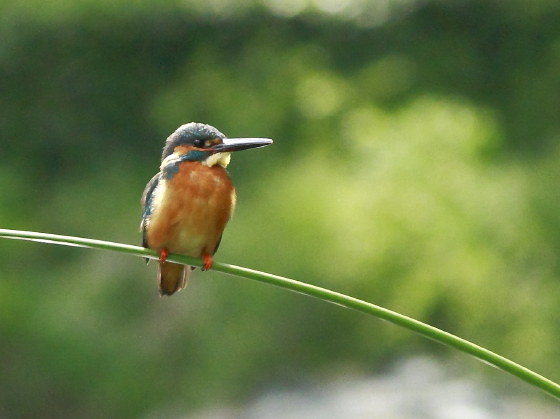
point(207, 262)
point(163, 255)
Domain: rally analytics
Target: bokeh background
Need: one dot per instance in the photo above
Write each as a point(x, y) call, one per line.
point(416, 165)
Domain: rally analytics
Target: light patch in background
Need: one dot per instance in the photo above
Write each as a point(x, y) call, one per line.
point(417, 173)
point(365, 13)
point(286, 8)
point(319, 96)
point(334, 6)
point(375, 13)
point(219, 8)
point(416, 388)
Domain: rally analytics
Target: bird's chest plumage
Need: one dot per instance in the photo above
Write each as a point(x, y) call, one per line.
point(191, 210)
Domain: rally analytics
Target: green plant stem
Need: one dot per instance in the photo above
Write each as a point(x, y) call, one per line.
point(423, 329)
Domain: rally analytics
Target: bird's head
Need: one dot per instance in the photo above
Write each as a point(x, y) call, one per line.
point(204, 143)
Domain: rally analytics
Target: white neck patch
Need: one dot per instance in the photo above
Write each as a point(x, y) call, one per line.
point(219, 158)
point(168, 159)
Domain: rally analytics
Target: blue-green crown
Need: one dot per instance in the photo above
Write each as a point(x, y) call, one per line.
point(189, 134)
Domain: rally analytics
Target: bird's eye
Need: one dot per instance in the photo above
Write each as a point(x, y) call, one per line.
point(199, 143)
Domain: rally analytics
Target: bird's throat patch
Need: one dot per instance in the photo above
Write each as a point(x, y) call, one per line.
point(219, 158)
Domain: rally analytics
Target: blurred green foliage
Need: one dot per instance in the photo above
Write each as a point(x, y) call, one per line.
point(415, 165)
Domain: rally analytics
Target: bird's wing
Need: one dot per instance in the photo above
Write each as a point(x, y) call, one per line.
point(218, 244)
point(146, 202)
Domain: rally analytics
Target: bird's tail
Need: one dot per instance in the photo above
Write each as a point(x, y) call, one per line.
point(172, 277)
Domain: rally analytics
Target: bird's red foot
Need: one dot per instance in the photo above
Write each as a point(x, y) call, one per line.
point(207, 261)
point(163, 255)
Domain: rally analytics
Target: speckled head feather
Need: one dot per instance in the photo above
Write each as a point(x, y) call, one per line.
point(187, 135)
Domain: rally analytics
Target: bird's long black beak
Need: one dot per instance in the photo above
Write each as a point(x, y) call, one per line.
point(237, 144)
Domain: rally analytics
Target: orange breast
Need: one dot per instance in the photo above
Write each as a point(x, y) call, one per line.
point(191, 210)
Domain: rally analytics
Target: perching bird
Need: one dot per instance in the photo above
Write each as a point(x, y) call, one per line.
point(187, 205)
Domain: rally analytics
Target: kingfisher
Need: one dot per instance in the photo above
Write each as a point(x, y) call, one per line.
point(187, 204)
